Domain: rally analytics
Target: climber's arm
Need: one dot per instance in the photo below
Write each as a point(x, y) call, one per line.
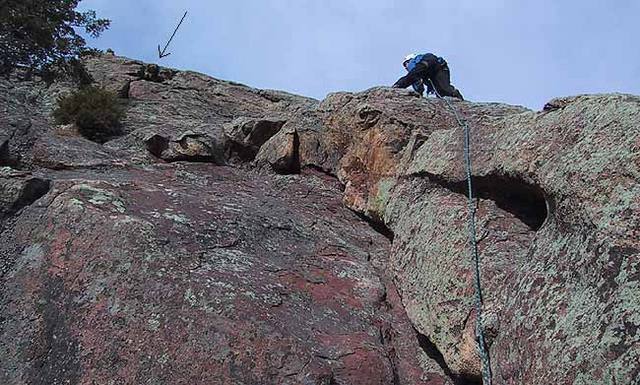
point(418, 87)
point(413, 76)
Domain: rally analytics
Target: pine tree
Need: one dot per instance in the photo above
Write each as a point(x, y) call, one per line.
point(42, 35)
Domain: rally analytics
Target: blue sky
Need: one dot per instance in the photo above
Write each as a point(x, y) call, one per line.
point(513, 51)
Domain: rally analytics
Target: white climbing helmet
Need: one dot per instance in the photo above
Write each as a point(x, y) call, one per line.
point(408, 58)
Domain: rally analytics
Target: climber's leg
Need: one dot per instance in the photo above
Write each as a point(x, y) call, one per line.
point(442, 82)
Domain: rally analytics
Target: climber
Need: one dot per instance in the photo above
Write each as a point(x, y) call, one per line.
point(429, 70)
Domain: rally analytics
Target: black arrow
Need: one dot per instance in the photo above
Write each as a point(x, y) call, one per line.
point(161, 54)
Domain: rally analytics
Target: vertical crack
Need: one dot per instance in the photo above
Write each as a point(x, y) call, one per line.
point(434, 353)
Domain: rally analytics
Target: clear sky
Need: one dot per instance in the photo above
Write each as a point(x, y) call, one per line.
point(513, 51)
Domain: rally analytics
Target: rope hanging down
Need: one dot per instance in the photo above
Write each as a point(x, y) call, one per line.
point(473, 243)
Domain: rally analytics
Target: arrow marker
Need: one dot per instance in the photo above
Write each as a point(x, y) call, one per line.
point(162, 53)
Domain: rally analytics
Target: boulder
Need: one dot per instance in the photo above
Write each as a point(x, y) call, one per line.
point(200, 143)
point(247, 135)
point(19, 190)
point(114, 73)
point(281, 152)
point(58, 151)
point(25, 107)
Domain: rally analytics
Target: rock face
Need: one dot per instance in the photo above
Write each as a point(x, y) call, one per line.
point(558, 203)
point(195, 273)
point(179, 253)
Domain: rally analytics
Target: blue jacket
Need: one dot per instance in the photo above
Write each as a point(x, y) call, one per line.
point(413, 62)
point(417, 86)
point(429, 58)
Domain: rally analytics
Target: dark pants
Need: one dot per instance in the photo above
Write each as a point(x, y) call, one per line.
point(435, 74)
point(441, 80)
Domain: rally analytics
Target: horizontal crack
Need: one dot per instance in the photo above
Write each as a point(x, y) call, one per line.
point(525, 201)
point(377, 225)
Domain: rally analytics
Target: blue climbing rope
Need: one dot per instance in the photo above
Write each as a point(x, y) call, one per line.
point(473, 243)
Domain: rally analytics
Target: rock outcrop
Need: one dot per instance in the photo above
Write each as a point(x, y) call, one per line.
point(243, 236)
point(558, 201)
